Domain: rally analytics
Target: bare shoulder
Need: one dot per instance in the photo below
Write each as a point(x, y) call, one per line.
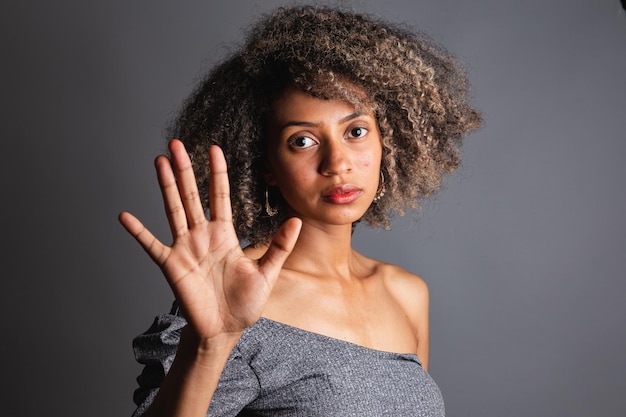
point(409, 289)
point(411, 293)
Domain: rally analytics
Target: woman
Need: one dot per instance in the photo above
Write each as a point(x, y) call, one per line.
point(324, 118)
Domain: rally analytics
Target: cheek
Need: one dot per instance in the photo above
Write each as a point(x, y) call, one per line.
point(364, 159)
point(368, 160)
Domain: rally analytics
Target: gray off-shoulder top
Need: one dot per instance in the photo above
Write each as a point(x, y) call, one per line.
point(280, 370)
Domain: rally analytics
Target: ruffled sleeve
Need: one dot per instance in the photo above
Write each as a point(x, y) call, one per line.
point(156, 349)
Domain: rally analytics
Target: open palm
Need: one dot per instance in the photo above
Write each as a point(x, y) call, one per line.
point(219, 288)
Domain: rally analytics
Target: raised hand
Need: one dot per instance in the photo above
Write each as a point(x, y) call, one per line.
point(220, 289)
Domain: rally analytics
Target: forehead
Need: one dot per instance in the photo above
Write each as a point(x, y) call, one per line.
point(295, 104)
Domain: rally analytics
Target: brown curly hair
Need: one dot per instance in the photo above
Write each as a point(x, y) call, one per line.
point(416, 90)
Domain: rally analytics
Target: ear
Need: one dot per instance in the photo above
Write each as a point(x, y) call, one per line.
point(268, 176)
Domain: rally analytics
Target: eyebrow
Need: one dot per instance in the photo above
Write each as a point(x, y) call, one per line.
point(310, 124)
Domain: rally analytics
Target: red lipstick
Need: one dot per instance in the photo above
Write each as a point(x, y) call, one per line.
point(344, 194)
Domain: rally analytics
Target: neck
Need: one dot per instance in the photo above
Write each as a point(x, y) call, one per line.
point(323, 250)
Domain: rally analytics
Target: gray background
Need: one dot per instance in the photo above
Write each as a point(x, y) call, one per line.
point(523, 251)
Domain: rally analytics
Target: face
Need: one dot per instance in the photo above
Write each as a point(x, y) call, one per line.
point(324, 156)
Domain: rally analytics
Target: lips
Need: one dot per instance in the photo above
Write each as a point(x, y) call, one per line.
point(344, 194)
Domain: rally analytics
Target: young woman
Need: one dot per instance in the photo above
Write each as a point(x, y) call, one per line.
point(324, 118)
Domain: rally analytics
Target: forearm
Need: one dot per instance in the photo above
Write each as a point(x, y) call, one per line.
point(191, 381)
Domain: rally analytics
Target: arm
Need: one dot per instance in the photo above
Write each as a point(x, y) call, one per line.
point(188, 387)
point(412, 295)
point(421, 321)
point(220, 290)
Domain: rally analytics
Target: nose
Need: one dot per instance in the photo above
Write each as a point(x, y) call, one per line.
point(335, 159)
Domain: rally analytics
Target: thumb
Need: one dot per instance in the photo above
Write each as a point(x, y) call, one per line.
point(281, 246)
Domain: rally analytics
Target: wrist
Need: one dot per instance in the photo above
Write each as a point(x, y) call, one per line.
point(206, 350)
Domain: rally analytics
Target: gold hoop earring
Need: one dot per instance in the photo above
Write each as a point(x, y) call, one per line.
point(381, 187)
point(271, 211)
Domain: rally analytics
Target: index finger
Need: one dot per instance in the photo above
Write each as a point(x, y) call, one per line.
point(219, 189)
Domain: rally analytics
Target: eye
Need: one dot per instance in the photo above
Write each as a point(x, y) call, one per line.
point(357, 132)
point(302, 142)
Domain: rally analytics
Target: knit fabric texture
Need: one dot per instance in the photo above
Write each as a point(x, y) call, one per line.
point(280, 370)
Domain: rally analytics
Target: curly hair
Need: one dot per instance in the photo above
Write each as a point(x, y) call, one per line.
point(417, 91)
